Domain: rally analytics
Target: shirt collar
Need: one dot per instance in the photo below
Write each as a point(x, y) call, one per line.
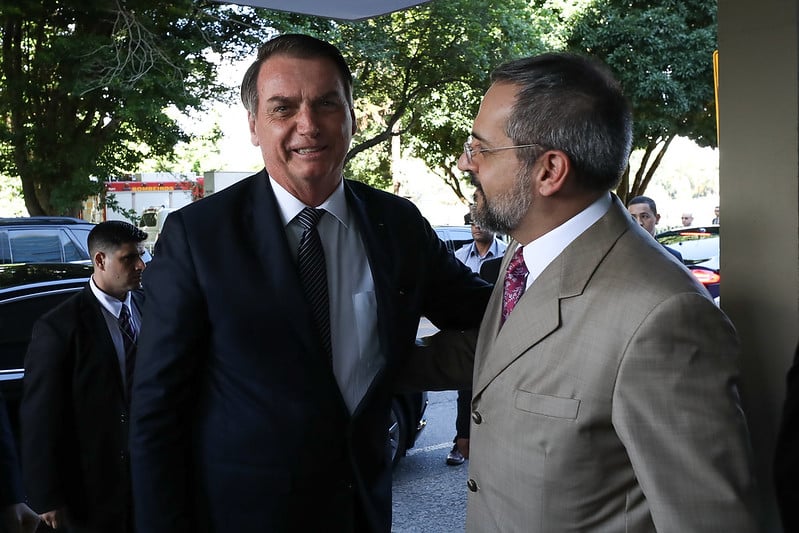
point(290, 206)
point(493, 250)
point(539, 253)
point(108, 302)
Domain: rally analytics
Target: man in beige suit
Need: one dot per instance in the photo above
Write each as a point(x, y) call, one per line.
point(606, 400)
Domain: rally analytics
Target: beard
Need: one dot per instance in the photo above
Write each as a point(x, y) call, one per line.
point(503, 213)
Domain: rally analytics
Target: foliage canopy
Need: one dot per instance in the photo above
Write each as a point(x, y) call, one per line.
point(662, 52)
point(85, 85)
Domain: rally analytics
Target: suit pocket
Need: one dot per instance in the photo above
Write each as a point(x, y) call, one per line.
point(542, 404)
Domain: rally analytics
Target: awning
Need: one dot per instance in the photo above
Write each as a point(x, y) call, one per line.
point(337, 9)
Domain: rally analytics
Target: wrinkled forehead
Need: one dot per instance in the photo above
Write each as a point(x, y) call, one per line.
point(316, 76)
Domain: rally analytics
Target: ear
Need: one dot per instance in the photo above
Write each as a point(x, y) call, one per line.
point(554, 169)
point(99, 260)
point(253, 135)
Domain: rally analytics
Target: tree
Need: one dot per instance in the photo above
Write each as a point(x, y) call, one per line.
point(662, 54)
point(420, 74)
point(86, 83)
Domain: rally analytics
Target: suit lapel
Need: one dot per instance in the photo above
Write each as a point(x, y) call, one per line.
point(278, 265)
point(537, 314)
point(101, 349)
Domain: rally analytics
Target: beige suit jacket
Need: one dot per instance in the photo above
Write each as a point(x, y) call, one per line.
point(608, 400)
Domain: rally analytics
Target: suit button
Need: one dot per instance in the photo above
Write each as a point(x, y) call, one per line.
point(472, 485)
point(477, 417)
point(123, 418)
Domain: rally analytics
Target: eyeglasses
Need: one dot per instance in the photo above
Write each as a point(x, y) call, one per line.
point(471, 152)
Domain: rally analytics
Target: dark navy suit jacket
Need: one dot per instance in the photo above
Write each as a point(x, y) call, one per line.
point(74, 418)
point(10, 478)
point(237, 421)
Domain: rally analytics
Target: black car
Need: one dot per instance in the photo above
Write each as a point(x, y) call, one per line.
point(699, 247)
point(29, 290)
point(44, 240)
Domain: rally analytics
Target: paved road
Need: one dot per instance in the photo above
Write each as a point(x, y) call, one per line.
point(429, 496)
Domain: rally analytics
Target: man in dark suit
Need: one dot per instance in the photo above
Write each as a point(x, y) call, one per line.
point(15, 515)
point(74, 412)
point(644, 211)
point(259, 404)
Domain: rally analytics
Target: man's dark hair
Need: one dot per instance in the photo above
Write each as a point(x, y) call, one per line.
point(573, 104)
point(111, 234)
point(644, 200)
point(298, 46)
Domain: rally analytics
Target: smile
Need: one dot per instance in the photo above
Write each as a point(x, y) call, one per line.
point(303, 151)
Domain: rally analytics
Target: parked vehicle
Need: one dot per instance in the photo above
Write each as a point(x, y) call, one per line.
point(454, 236)
point(152, 223)
point(44, 240)
point(699, 246)
point(27, 291)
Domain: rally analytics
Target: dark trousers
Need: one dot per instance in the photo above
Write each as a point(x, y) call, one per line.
point(463, 418)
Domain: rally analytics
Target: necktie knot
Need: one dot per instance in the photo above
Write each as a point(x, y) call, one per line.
point(309, 217)
point(515, 283)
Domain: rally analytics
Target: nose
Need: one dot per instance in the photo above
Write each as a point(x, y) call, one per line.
point(307, 122)
point(463, 163)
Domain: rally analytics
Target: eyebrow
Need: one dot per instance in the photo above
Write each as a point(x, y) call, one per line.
point(281, 98)
point(479, 137)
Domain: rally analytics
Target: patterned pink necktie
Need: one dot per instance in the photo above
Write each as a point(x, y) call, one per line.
point(515, 283)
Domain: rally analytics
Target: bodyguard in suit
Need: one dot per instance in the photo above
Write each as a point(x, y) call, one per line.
point(278, 313)
point(75, 404)
point(605, 379)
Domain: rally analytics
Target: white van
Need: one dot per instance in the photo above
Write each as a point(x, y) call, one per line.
point(152, 222)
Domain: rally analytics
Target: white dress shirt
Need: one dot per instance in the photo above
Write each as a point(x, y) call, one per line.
point(111, 308)
point(357, 356)
point(539, 253)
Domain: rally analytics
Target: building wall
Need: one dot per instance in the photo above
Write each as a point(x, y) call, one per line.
point(758, 176)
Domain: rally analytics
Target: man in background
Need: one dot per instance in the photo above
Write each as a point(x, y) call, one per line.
point(484, 247)
point(75, 404)
point(644, 211)
point(687, 219)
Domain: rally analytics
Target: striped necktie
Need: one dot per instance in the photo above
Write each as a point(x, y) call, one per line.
point(129, 345)
point(313, 274)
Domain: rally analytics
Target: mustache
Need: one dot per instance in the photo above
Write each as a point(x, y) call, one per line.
point(473, 179)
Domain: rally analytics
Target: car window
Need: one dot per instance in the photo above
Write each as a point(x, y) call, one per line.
point(148, 219)
point(694, 246)
point(454, 236)
point(45, 245)
point(5, 251)
point(16, 321)
point(82, 234)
